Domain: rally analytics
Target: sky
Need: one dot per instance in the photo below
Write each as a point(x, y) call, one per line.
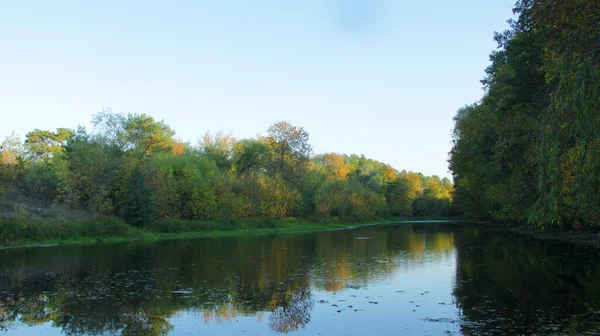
point(381, 78)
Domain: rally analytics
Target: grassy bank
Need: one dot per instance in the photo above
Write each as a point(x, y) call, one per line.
point(36, 232)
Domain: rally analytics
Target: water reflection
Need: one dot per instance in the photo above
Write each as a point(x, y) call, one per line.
point(526, 287)
point(274, 280)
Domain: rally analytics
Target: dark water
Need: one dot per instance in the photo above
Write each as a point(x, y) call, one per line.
point(405, 279)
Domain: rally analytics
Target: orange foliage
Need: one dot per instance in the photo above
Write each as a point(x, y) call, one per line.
point(178, 148)
point(389, 174)
point(335, 166)
point(415, 189)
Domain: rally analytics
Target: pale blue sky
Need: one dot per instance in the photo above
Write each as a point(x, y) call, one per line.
point(376, 77)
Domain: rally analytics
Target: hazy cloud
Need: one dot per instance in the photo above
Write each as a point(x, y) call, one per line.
point(356, 16)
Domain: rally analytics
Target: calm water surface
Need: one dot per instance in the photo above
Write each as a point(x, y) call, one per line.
point(404, 279)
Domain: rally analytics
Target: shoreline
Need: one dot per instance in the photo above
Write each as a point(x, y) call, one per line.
point(285, 227)
point(581, 238)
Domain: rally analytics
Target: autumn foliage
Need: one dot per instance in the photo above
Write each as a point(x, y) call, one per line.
point(132, 166)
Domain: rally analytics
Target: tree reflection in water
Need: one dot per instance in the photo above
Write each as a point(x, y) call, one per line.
point(292, 311)
point(129, 288)
point(502, 281)
point(524, 287)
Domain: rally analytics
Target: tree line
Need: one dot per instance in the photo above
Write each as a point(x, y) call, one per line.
point(527, 152)
point(132, 166)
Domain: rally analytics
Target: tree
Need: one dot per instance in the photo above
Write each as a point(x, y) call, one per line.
point(44, 180)
point(92, 170)
point(42, 144)
point(398, 198)
point(249, 154)
point(528, 151)
point(146, 136)
point(137, 133)
point(569, 169)
point(11, 150)
point(109, 128)
point(289, 151)
point(184, 186)
point(138, 209)
point(219, 147)
point(493, 157)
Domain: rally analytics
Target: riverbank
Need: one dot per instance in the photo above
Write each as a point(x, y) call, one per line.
point(581, 237)
point(29, 233)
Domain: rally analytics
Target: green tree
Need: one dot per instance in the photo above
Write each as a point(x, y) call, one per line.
point(249, 154)
point(147, 136)
point(288, 151)
point(493, 158)
point(138, 210)
point(528, 150)
point(137, 133)
point(219, 147)
point(398, 198)
point(569, 144)
point(92, 171)
point(42, 144)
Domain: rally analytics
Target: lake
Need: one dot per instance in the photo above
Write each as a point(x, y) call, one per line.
point(421, 278)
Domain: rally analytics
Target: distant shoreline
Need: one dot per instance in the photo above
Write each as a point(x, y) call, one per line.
point(280, 227)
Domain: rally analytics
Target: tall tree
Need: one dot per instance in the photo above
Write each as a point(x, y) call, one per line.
point(528, 150)
point(289, 151)
point(42, 144)
point(569, 168)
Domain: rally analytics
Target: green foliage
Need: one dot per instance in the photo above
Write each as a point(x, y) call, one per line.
point(130, 167)
point(43, 144)
point(185, 186)
point(43, 180)
point(397, 198)
point(139, 134)
point(17, 230)
point(147, 136)
point(138, 210)
point(218, 147)
point(288, 152)
point(528, 150)
point(92, 172)
point(248, 154)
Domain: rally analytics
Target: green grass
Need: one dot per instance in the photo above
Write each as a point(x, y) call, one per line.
point(35, 232)
point(26, 231)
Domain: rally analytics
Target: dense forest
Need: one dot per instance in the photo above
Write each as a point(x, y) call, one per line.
point(131, 166)
point(528, 151)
